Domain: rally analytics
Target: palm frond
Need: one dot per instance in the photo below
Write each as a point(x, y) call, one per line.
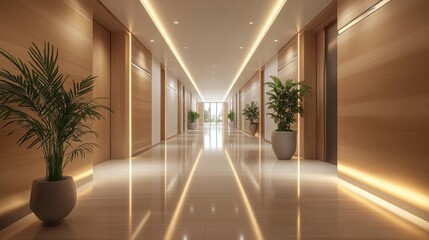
point(54, 119)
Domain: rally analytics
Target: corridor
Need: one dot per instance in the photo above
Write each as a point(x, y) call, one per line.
point(216, 183)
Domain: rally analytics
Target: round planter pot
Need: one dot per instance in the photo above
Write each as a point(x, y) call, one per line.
point(52, 201)
point(284, 144)
point(231, 124)
point(253, 128)
point(193, 126)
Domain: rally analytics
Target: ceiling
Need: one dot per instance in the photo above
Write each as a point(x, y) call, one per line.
point(215, 46)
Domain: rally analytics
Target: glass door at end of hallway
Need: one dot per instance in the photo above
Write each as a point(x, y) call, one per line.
point(213, 113)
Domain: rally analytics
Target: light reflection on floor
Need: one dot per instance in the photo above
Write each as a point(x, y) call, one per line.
point(217, 183)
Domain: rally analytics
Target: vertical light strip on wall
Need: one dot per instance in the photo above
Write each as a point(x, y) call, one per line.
point(130, 153)
point(298, 174)
point(299, 80)
point(365, 14)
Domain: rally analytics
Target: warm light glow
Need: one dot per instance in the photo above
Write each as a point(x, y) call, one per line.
point(171, 184)
point(130, 152)
point(165, 176)
point(298, 116)
point(156, 20)
point(177, 211)
point(260, 160)
point(82, 175)
point(255, 225)
point(298, 222)
point(17, 202)
point(275, 11)
point(386, 205)
point(365, 14)
point(84, 190)
point(140, 226)
point(406, 193)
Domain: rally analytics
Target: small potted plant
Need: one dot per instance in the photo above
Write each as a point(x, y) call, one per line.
point(54, 119)
point(193, 117)
point(231, 117)
point(285, 101)
point(251, 113)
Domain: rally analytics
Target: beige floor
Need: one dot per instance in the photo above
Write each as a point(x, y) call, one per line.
point(218, 184)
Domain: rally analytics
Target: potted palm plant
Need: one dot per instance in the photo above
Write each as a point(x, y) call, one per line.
point(231, 117)
point(251, 113)
point(285, 101)
point(193, 117)
point(54, 119)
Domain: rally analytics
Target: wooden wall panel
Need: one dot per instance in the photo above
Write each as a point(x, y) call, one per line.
point(163, 103)
point(179, 107)
point(200, 110)
point(288, 53)
point(350, 9)
point(171, 112)
point(120, 81)
point(308, 71)
point(69, 28)
point(383, 94)
point(141, 97)
point(248, 93)
point(141, 56)
point(320, 71)
point(141, 110)
point(288, 69)
point(101, 69)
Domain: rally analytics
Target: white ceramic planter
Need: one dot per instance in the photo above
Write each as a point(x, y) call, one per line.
point(52, 201)
point(193, 126)
point(231, 124)
point(253, 128)
point(284, 144)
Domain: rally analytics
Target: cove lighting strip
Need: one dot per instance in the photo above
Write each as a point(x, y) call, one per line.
point(274, 13)
point(404, 193)
point(365, 14)
point(152, 14)
point(386, 205)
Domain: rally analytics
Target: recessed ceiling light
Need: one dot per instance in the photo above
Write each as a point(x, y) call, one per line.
point(213, 65)
point(152, 40)
point(276, 40)
point(251, 23)
point(186, 47)
point(213, 72)
point(241, 47)
point(176, 22)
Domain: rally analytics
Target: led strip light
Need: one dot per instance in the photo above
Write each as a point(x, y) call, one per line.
point(267, 25)
point(361, 17)
point(155, 19)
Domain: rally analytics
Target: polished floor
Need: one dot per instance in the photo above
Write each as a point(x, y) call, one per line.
point(218, 184)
